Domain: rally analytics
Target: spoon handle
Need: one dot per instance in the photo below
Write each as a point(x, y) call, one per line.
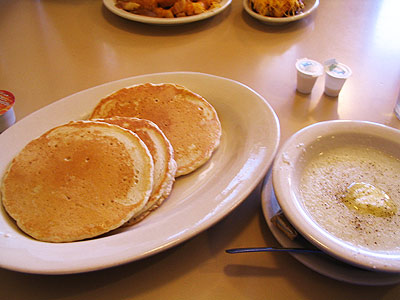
point(272, 249)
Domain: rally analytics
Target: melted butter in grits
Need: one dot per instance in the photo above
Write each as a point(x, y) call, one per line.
point(368, 199)
point(353, 192)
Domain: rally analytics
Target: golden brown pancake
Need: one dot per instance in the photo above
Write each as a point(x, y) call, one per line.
point(77, 181)
point(190, 123)
point(163, 158)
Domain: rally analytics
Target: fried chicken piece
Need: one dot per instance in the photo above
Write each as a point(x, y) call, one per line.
point(167, 8)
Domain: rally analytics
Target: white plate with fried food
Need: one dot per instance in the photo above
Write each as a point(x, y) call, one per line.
point(150, 17)
point(279, 12)
point(249, 141)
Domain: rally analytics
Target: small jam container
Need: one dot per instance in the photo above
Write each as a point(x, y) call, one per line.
point(336, 75)
point(308, 71)
point(7, 115)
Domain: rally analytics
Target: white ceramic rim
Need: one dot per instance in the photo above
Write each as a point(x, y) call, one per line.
point(282, 178)
point(309, 8)
point(110, 5)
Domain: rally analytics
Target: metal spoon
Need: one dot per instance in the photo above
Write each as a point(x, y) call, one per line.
point(272, 249)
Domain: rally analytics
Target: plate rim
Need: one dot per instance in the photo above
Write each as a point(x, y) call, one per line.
point(179, 238)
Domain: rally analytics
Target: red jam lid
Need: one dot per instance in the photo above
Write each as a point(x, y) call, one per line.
point(7, 100)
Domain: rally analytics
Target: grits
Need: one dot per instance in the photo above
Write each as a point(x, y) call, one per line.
point(325, 182)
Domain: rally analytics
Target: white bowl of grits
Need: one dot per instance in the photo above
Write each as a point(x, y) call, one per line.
point(338, 183)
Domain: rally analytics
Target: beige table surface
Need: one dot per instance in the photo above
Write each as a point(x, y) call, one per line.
point(53, 48)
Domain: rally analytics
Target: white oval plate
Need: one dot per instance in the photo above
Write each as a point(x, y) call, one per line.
point(110, 5)
point(250, 137)
point(309, 7)
point(324, 265)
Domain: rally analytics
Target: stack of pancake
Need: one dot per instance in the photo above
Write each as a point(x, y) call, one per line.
point(85, 178)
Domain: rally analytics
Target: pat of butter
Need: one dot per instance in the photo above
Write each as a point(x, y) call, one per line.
point(368, 199)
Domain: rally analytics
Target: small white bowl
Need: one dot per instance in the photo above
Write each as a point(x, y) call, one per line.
point(309, 7)
point(307, 144)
